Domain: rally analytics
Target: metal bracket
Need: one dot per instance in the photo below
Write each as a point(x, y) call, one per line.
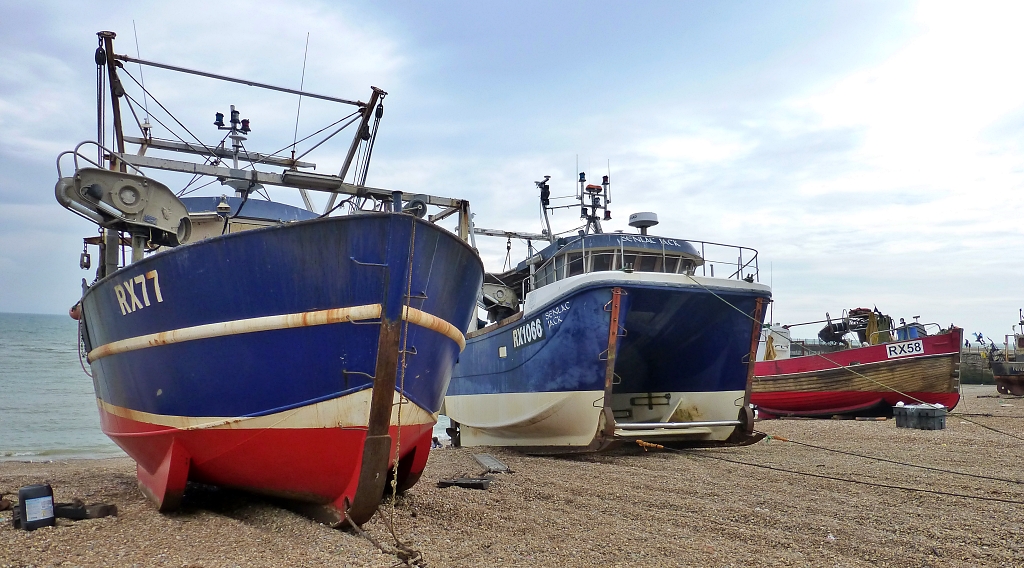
point(353, 259)
point(648, 400)
point(345, 373)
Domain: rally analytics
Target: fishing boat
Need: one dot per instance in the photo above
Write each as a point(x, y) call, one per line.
point(860, 365)
point(1007, 364)
point(601, 338)
point(254, 344)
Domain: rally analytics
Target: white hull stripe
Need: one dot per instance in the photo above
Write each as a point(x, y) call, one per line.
point(267, 323)
point(350, 411)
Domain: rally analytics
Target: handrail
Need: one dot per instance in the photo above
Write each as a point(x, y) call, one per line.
point(704, 260)
point(77, 155)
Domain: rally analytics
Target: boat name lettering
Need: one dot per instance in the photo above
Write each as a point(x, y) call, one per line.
point(131, 298)
point(553, 316)
point(648, 240)
point(904, 349)
point(527, 334)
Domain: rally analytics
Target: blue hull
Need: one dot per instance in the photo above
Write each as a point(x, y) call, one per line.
point(680, 346)
point(676, 339)
point(290, 269)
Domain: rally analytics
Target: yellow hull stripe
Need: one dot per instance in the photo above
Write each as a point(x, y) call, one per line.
point(268, 323)
point(350, 411)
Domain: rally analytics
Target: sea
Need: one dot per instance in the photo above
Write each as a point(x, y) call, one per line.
point(47, 402)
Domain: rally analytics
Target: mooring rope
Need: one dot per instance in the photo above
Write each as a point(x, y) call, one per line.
point(648, 445)
point(887, 460)
point(408, 555)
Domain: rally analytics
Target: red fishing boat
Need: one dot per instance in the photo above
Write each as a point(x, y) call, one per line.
point(861, 365)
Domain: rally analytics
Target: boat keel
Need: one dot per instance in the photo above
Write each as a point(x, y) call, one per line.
point(165, 486)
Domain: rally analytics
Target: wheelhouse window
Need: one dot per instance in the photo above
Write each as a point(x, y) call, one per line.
point(577, 262)
point(602, 261)
point(649, 263)
point(671, 264)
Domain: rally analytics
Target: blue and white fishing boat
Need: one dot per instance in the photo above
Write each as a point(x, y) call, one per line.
point(600, 338)
point(257, 345)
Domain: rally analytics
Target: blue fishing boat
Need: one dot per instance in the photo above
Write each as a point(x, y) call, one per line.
point(600, 338)
point(257, 345)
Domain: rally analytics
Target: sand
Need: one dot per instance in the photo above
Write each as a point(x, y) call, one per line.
point(627, 508)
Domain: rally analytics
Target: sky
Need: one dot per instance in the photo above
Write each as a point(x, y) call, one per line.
point(871, 152)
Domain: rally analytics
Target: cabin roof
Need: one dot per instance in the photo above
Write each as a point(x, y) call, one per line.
point(616, 241)
point(254, 208)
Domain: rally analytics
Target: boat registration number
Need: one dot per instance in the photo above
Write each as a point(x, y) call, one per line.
point(529, 333)
point(904, 349)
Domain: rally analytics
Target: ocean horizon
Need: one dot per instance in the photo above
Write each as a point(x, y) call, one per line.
point(47, 402)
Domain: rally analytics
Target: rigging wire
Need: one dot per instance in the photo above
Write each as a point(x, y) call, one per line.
point(353, 118)
point(378, 113)
point(302, 83)
point(169, 113)
point(142, 78)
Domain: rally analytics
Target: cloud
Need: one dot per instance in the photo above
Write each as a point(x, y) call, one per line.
point(873, 154)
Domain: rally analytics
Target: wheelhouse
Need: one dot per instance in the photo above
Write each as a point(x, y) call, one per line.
point(612, 252)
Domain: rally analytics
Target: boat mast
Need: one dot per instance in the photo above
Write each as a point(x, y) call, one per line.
point(291, 177)
point(545, 201)
point(360, 133)
point(111, 238)
point(599, 200)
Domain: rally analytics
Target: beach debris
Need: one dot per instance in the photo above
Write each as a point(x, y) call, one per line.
point(77, 510)
point(35, 507)
point(491, 464)
point(830, 538)
point(5, 504)
point(870, 418)
point(466, 482)
point(920, 416)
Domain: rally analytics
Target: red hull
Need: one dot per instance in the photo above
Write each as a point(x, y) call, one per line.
point(772, 404)
point(861, 379)
point(313, 465)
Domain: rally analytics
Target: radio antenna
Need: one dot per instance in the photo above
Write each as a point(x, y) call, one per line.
point(145, 97)
point(302, 82)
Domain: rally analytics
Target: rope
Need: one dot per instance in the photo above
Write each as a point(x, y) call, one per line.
point(81, 341)
point(647, 445)
point(405, 553)
point(401, 380)
point(938, 469)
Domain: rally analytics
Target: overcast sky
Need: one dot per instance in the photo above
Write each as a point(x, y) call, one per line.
point(872, 152)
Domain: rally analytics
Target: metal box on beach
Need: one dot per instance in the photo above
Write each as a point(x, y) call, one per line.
point(920, 416)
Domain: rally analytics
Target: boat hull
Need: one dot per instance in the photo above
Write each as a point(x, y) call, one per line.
point(248, 360)
point(1009, 376)
point(863, 380)
point(679, 357)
